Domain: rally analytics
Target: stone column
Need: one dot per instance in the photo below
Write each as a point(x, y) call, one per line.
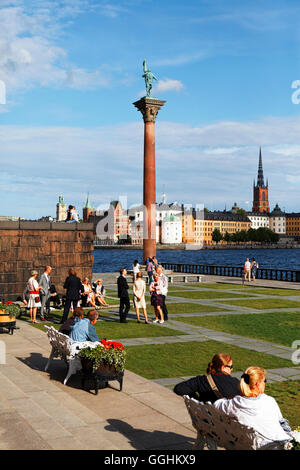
point(149, 108)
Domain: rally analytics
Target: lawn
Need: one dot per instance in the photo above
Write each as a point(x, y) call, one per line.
point(287, 395)
point(209, 294)
point(276, 327)
point(188, 359)
point(114, 330)
point(263, 304)
point(192, 308)
point(270, 291)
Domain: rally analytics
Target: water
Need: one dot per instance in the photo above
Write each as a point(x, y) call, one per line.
point(113, 260)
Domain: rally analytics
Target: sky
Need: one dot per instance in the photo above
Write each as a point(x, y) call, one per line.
point(70, 71)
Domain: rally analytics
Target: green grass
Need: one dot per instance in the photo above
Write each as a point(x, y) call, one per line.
point(263, 304)
point(217, 285)
point(208, 294)
point(115, 330)
point(192, 308)
point(276, 327)
point(287, 395)
point(270, 291)
point(189, 359)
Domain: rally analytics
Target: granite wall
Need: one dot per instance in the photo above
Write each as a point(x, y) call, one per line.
point(33, 245)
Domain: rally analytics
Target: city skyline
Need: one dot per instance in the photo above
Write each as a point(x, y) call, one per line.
point(73, 69)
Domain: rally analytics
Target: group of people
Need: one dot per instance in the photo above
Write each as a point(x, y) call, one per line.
point(158, 288)
point(39, 293)
point(244, 399)
point(72, 215)
point(250, 269)
point(80, 328)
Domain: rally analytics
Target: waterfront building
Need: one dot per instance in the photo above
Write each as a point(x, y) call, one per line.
point(171, 230)
point(207, 222)
point(260, 190)
point(259, 219)
point(278, 220)
point(293, 224)
point(61, 210)
point(188, 226)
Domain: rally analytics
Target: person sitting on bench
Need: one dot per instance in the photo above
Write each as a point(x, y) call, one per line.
point(216, 384)
point(83, 328)
point(255, 409)
point(66, 327)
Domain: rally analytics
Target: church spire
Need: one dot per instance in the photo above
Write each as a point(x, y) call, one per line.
point(260, 174)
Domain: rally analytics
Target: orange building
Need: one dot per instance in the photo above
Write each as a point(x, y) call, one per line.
point(260, 191)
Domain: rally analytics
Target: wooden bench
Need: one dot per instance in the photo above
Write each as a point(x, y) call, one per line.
point(66, 349)
point(216, 430)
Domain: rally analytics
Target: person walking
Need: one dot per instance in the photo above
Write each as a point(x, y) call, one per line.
point(34, 301)
point(139, 290)
point(163, 284)
point(254, 267)
point(74, 288)
point(247, 270)
point(45, 293)
point(123, 295)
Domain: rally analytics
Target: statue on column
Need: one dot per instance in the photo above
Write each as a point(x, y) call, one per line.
point(148, 76)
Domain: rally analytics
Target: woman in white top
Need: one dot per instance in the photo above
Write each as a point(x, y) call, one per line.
point(34, 296)
point(139, 289)
point(135, 269)
point(88, 292)
point(256, 409)
point(99, 293)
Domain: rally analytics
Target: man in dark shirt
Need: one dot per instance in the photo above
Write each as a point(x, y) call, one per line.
point(123, 295)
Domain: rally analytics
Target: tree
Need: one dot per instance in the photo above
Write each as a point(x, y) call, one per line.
point(217, 236)
point(227, 237)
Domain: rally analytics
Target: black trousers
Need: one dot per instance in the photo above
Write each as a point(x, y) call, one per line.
point(164, 308)
point(67, 308)
point(124, 308)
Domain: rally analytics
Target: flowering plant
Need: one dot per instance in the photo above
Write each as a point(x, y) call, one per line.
point(10, 308)
point(294, 444)
point(109, 352)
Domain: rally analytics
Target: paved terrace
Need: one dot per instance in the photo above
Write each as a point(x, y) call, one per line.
point(38, 412)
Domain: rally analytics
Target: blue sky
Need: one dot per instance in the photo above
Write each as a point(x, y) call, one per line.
point(72, 69)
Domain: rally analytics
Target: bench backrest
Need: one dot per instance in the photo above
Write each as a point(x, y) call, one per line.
point(224, 430)
point(59, 341)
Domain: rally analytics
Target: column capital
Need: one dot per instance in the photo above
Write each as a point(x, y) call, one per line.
point(149, 108)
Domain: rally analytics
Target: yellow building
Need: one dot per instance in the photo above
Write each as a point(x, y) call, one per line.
point(293, 224)
point(207, 222)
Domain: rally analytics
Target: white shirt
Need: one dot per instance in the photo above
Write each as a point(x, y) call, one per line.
point(247, 265)
point(260, 413)
point(163, 284)
point(136, 269)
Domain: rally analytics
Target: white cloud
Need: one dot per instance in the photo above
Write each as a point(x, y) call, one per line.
point(213, 164)
point(168, 84)
point(29, 52)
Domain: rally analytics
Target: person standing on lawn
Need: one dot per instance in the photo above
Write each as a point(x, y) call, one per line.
point(123, 295)
point(163, 284)
point(74, 289)
point(139, 290)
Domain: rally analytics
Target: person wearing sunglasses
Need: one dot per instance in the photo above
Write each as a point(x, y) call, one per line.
point(257, 410)
point(217, 382)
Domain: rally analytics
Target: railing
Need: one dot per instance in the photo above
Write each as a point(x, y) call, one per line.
point(272, 274)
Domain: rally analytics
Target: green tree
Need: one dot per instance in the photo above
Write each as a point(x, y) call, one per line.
point(217, 236)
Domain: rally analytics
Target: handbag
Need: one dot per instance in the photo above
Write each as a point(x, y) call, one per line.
point(37, 299)
point(213, 386)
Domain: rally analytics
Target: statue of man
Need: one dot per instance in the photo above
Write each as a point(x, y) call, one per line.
point(148, 76)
